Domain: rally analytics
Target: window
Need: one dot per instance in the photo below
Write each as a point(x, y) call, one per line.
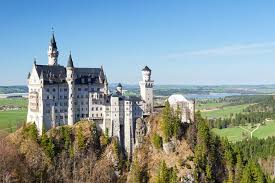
point(79, 89)
point(86, 89)
point(65, 89)
point(48, 97)
point(48, 90)
point(98, 89)
point(53, 89)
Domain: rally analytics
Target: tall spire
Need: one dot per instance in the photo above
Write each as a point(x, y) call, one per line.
point(53, 42)
point(70, 61)
point(53, 52)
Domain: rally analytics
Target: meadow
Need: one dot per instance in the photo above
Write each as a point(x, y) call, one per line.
point(10, 119)
point(238, 133)
point(223, 111)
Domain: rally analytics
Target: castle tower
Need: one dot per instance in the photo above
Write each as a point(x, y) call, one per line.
point(106, 89)
point(52, 52)
point(146, 90)
point(70, 80)
point(119, 88)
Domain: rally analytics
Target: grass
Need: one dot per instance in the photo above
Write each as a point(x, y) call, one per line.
point(265, 130)
point(234, 134)
point(210, 105)
point(11, 118)
point(20, 102)
point(224, 111)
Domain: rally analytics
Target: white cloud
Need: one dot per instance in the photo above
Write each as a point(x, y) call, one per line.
point(238, 49)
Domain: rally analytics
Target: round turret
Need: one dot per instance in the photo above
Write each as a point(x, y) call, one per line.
point(53, 52)
point(146, 74)
point(119, 88)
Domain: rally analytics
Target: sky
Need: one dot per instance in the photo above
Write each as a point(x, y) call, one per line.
point(187, 42)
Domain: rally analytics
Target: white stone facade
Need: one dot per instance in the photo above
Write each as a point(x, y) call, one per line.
point(61, 95)
point(187, 107)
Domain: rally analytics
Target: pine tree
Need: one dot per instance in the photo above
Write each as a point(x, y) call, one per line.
point(173, 176)
point(166, 122)
point(239, 166)
point(163, 174)
point(80, 139)
point(136, 172)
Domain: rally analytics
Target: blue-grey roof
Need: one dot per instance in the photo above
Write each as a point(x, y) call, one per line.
point(146, 68)
point(53, 42)
point(119, 85)
point(53, 74)
point(70, 61)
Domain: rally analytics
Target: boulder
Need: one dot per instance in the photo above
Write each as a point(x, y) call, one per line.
point(140, 131)
point(168, 147)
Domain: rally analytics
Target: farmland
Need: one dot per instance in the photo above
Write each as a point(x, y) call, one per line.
point(12, 114)
point(239, 133)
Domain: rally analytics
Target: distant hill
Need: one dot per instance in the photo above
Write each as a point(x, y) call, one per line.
point(13, 89)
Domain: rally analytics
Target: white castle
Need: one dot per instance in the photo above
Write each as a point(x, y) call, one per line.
point(60, 95)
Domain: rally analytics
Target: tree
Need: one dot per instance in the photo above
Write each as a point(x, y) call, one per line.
point(106, 138)
point(163, 174)
point(238, 166)
point(80, 138)
point(136, 172)
point(30, 131)
point(157, 141)
point(166, 122)
point(173, 176)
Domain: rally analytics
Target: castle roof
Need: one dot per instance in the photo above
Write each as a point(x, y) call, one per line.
point(146, 68)
point(70, 61)
point(119, 85)
point(175, 98)
point(57, 74)
point(52, 42)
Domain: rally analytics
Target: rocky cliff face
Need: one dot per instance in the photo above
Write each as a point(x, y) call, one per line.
point(81, 154)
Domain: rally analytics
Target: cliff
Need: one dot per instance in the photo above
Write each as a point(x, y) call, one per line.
point(79, 153)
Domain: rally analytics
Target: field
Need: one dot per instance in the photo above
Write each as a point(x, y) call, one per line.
point(223, 112)
point(9, 119)
point(241, 132)
point(20, 102)
point(211, 105)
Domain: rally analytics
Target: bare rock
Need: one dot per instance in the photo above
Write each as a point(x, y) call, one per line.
point(168, 147)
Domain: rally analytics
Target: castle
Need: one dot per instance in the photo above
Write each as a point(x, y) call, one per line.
point(63, 95)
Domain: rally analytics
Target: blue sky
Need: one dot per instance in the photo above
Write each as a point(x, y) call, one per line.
point(183, 42)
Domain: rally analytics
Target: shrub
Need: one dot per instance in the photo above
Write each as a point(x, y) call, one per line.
point(30, 131)
point(80, 139)
point(106, 138)
point(157, 141)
